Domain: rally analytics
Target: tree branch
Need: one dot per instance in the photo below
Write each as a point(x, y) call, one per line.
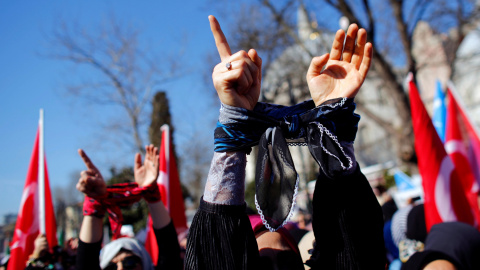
point(281, 21)
point(397, 6)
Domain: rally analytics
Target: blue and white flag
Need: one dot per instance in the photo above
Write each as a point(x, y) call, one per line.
point(439, 112)
point(403, 181)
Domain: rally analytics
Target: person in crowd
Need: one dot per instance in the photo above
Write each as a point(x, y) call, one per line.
point(448, 246)
point(4, 262)
point(41, 258)
point(347, 219)
point(124, 253)
point(302, 225)
point(405, 234)
point(69, 254)
point(275, 248)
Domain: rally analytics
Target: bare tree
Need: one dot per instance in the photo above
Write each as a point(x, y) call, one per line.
point(195, 160)
point(119, 70)
point(269, 27)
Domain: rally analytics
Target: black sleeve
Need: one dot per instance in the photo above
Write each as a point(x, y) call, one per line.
point(88, 255)
point(168, 248)
point(347, 224)
point(347, 218)
point(221, 237)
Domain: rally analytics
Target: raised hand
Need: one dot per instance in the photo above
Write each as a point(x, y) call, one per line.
point(346, 67)
point(146, 173)
point(91, 182)
point(239, 85)
point(40, 246)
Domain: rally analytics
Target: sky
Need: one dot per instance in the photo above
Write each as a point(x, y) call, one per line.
point(30, 81)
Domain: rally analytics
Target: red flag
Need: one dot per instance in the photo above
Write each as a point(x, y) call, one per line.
point(471, 136)
point(171, 191)
point(460, 144)
point(445, 199)
point(28, 221)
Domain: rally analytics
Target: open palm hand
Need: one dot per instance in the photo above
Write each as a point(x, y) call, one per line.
point(346, 67)
point(146, 173)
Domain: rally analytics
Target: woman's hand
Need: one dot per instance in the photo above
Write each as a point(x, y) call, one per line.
point(346, 67)
point(91, 182)
point(238, 85)
point(146, 173)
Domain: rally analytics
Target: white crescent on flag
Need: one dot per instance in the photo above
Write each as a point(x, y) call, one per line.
point(457, 146)
point(20, 236)
point(30, 190)
point(443, 198)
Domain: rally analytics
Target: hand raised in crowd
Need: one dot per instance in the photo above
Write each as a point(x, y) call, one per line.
point(237, 78)
point(40, 246)
point(91, 182)
point(346, 67)
point(146, 173)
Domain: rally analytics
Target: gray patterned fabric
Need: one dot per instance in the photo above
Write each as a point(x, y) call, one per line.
point(399, 224)
point(226, 179)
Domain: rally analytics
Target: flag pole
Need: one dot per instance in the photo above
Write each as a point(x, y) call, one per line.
point(166, 128)
point(41, 176)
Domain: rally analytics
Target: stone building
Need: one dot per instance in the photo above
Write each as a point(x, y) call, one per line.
point(284, 84)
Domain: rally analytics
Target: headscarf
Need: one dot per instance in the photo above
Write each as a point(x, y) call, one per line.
point(111, 250)
point(456, 242)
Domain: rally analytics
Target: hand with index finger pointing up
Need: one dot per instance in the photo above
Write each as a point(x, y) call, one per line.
point(239, 85)
point(91, 181)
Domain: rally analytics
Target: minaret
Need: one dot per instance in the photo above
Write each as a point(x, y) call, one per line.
point(303, 24)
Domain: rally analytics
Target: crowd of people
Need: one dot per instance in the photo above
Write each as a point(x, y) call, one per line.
point(347, 229)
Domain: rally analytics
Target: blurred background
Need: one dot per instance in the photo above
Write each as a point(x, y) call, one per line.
point(108, 74)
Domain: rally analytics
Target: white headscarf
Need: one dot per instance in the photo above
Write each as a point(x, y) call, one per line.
point(111, 250)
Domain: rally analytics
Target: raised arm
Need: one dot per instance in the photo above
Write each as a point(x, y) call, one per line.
point(346, 215)
point(221, 236)
point(91, 184)
point(146, 174)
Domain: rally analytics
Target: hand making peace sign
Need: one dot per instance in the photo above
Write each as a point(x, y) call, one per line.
point(346, 68)
point(237, 78)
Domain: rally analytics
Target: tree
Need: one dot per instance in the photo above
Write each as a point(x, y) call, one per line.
point(118, 69)
point(196, 158)
point(159, 117)
point(270, 27)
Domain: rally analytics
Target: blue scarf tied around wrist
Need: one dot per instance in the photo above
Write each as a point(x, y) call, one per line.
point(273, 128)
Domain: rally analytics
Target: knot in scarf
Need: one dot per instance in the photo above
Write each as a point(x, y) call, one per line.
point(119, 196)
point(274, 127)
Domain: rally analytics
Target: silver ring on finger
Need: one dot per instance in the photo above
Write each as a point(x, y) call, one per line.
point(228, 65)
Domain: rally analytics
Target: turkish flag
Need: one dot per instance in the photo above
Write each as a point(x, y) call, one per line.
point(460, 144)
point(169, 184)
point(445, 199)
point(28, 222)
